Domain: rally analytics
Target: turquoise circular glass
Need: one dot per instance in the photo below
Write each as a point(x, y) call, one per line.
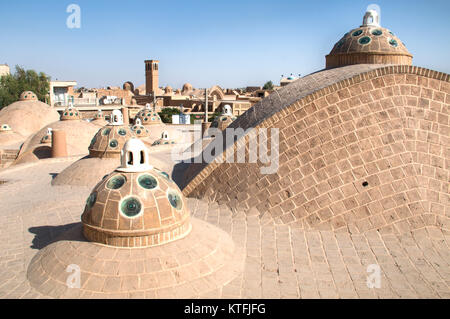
point(138, 131)
point(116, 182)
point(393, 42)
point(175, 200)
point(91, 200)
point(364, 40)
point(106, 131)
point(71, 114)
point(131, 206)
point(377, 32)
point(146, 119)
point(357, 33)
point(122, 132)
point(147, 181)
point(164, 174)
point(93, 141)
point(340, 43)
point(65, 113)
point(149, 114)
point(113, 143)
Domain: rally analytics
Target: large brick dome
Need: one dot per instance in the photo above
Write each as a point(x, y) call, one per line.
point(361, 147)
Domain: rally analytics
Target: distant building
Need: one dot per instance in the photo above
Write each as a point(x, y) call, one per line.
point(61, 92)
point(4, 69)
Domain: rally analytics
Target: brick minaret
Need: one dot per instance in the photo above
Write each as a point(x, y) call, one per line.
point(151, 76)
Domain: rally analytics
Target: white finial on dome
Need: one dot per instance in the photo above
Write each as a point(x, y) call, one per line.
point(138, 121)
point(116, 118)
point(49, 131)
point(227, 110)
point(371, 18)
point(148, 106)
point(165, 135)
point(134, 157)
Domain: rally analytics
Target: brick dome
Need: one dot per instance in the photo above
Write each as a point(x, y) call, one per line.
point(109, 140)
point(187, 87)
point(139, 130)
point(136, 205)
point(352, 153)
point(148, 116)
point(168, 90)
point(28, 96)
point(368, 44)
point(226, 118)
point(70, 113)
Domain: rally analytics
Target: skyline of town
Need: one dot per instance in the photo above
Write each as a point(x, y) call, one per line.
point(231, 46)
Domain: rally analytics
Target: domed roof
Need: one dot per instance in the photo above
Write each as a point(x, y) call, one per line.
point(109, 140)
point(138, 129)
point(28, 115)
point(148, 116)
point(28, 96)
point(70, 113)
point(129, 86)
point(168, 89)
point(226, 118)
point(78, 135)
point(99, 119)
point(166, 139)
point(47, 138)
point(136, 205)
point(8, 136)
point(369, 44)
point(187, 87)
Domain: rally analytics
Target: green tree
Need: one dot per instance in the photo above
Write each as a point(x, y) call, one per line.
point(216, 113)
point(166, 114)
point(12, 85)
point(268, 85)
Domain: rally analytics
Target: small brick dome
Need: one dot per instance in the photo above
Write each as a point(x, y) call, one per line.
point(139, 130)
point(148, 116)
point(129, 86)
point(109, 140)
point(168, 90)
point(166, 139)
point(28, 96)
point(47, 138)
point(368, 44)
point(70, 113)
point(136, 205)
point(226, 118)
point(187, 87)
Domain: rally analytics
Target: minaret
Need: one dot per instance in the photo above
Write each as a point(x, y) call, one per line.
point(151, 76)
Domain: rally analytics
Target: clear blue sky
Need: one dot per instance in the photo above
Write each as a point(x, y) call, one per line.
point(231, 43)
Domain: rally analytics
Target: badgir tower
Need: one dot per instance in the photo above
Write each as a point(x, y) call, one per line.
point(363, 144)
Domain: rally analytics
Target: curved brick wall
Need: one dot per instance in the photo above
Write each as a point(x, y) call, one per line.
point(387, 126)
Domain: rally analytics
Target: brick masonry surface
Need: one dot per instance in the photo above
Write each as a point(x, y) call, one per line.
point(281, 261)
point(361, 148)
